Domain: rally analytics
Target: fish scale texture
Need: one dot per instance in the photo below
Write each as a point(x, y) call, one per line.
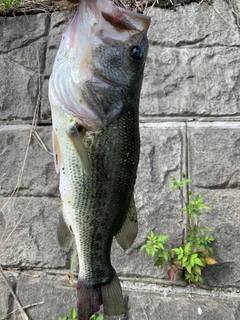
point(101, 200)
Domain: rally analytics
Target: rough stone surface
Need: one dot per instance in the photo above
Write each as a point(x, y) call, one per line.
point(185, 307)
point(22, 60)
point(34, 243)
point(186, 70)
point(56, 303)
point(43, 179)
point(214, 168)
point(191, 82)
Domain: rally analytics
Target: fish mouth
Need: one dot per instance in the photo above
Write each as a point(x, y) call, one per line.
point(107, 81)
point(123, 19)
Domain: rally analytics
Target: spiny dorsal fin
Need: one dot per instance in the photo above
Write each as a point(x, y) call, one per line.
point(129, 230)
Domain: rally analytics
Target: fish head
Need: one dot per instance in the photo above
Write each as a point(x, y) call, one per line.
point(99, 67)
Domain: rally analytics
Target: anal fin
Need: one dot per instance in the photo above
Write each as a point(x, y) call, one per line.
point(129, 230)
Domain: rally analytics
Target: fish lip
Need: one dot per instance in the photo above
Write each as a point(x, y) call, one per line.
point(105, 80)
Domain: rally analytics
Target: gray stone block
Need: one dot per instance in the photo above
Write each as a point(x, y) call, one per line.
point(195, 26)
point(22, 60)
point(214, 169)
point(188, 307)
point(186, 72)
point(34, 242)
point(39, 175)
point(52, 297)
point(162, 156)
point(6, 298)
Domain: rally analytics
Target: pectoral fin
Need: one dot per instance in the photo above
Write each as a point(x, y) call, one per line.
point(78, 144)
point(129, 230)
point(64, 235)
point(56, 151)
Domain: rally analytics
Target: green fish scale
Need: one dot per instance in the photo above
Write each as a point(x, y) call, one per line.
point(102, 200)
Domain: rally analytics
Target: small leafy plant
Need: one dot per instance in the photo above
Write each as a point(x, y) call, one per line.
point(73, 316)
point(195, 251)
point(100, 317)
point(6, 5)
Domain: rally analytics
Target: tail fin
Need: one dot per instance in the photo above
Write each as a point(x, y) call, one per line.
point(112, 297)
point(90, 299)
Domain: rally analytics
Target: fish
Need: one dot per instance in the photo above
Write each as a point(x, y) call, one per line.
point(94, 93)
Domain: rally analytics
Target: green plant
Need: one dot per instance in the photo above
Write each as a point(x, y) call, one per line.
point(6, 5)
point(73, 316)
point(195, 251)
point(100, 317)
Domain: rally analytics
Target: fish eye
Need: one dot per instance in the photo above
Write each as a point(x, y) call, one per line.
point(136, 53)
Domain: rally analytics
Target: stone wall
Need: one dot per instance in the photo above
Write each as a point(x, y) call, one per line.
point(190, 122)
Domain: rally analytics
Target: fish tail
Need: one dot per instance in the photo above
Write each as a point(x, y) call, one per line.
point(90, 299)
point(112, 297)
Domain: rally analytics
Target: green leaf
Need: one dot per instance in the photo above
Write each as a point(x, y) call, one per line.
point(187, 248)
point(189, 268)
point(199, 262)
point(151, 235)
point(194, 256)
point(73, 314)
point(184, 259)
point(166, 256)
point(143, 247)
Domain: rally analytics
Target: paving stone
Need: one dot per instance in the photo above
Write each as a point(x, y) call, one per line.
point(162, 156)
point(22, 57)
point(39, 175)
point(34, 242)
point(195, 26)
point(185, 307)
point(186, 72)
point(214, 169)
point(6, 299)
point(141, 305)
point(52, 297)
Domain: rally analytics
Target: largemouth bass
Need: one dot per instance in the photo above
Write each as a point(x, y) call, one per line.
point(94, 92)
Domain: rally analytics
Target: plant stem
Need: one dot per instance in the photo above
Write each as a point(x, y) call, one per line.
point(187, 212)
